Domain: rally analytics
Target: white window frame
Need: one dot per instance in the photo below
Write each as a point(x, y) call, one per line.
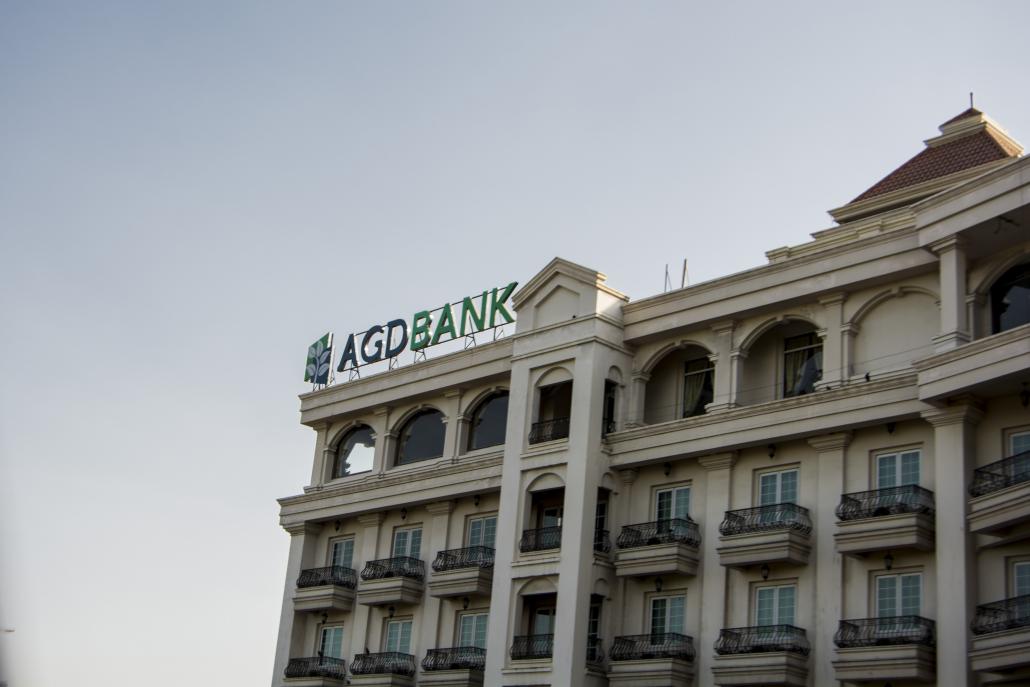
point(898, 455)
point(673, 491)
point(776, 587)
point(1010, 437)
point(899, 597)
point(332, 547)
point(473, 615)
point(667, 620)
point(400, 622)
point(779, 472)
point(482, 519)
point(409, 530)
point(322, 638)
point(1014, 568)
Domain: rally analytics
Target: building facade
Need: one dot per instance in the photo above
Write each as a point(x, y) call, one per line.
point(814, 472)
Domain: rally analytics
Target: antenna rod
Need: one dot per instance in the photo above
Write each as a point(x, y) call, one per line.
point(970, 99)
point(683, 279)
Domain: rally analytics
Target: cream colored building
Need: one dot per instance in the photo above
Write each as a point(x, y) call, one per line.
point(813, 472)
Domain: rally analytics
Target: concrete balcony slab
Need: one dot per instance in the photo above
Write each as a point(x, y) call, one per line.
point(381, 680)
point(462, 582)
point(773, 668)
point(1003, 652)
point(913, 531)
point(451, 678)
point(674, 558)
point(1000, 510)
point(312, 682)
point(390, 591)
point(908, 662)
point(655, 672)
point(776, 546)
point(324, 598)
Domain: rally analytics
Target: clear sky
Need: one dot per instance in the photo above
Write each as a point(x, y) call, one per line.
point(191, 193)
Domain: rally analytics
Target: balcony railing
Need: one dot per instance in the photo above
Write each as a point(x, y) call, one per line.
point(455, 658)
point(892, 631)
point(549, 430)
point(336, 574)
point(775, 516)
point(762, 639)
point(540, 540)
point(532, 646)
point(398, 566)
point(658, 645)
point(459, 559)
point(595, 652)
point(888, 501)
point(682, 530)
point(1007, 614)
point(1004, 473)
point(317, 666)
point(602, 541)
point(386, 663)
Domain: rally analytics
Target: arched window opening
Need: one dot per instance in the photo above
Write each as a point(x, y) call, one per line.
point(354, 453)
point(1010, 299)
point(802, 364)
point(698, 388)
point(489, 422)
point(421, 438)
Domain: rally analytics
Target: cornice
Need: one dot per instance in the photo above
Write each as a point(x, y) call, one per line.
point(976, 182)
point(719, 461)
point(572, 344)
point(303, 528)
point(371, 519)
point(585, 275)
point(830, 442)
point(565, 323)
point(968, 412)
point(440, 507)
point(973, 348)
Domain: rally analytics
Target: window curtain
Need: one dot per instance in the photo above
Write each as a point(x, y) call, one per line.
point(695, 383)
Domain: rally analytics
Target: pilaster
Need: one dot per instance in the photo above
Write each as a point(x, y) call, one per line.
point(724, 379)
point(323, 453)
point(451, 424)
point(303, 538)
point(951, 255)
point(713, 575)
point(833, 346)
point(429, 620)
point(637, 394)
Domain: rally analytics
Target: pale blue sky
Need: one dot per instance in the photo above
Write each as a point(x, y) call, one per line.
point(190, 193)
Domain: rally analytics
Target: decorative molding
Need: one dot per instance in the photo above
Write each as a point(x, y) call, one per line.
point(830, 442)
point(303, 528)
point(371, 519)
point(628, 476)
point(440, 507)
point(968, 412)
point(719, 461)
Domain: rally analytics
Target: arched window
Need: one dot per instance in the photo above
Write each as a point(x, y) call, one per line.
point(354, 452)
point(421, 437)
point(1010, 299)
point(489, 422)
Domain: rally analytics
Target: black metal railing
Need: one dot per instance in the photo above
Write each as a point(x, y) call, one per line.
point(336, 574)
point(531, 646)
point(602, 541)
point(658, 645)
point(549, 430)
point(317, 666)
point(398, 566)
point(762, 639)
point(385, 663)
point(455, 658)
point(775, 516)
point(1004, 473)
point(540, 540)
point(607, 426)
point(892, 631)
point(595, 652)
point(683, 530)
point(469, 557)
point(888, 501)
point(1007, 614)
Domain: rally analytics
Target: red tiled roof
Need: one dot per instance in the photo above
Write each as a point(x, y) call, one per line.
point(938, 161)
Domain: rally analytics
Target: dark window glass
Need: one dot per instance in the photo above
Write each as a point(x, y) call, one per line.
point(421, 437)
point(354, 453)
point(697, 386)
point(555, 401)
point(608, 420)
point(489, 422)
point(1010, 299)
point(802, 364)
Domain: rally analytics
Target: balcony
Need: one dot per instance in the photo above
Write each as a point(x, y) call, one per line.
point(325, 589)
point(532, 647)
point(1001, 637)
point(655, 659)
point(387, 669)
point(881, 519)
point(776, 533)
point(761, 655)
point(1001, 495)
point(454, 667)
point(462, 572)
point(883, 649)
point(549, 430)
point(389, 581)
point(543, 539)
point(663, 547)
point(316, 671)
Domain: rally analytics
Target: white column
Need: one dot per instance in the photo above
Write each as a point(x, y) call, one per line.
point(848, 333)
point(829, 579)
point(369, 551)
point(724, 394)
point(713, 575)
point(384, 438)
point(323, 455)
point(954, 440)
point(451, 428)
point(291, 625)
point(954, 321)
point(637, 395)
point(833, 351)
point(429, 622)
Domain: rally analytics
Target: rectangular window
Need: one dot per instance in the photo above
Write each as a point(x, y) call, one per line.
point(407, 542)
point(698, 390)
point(668, 614)
point(398, 636)
point(483, 531)
point(899, 595)
point(543, 620)
point(672, 503)
point(341, 553)
point(331, 642)
point(778, 487)
point(472, 630)
point(802, 364)
point(1021, 578)
point(897, 469)
point(551, 516)
point(775, 605)
point(1019, 442)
